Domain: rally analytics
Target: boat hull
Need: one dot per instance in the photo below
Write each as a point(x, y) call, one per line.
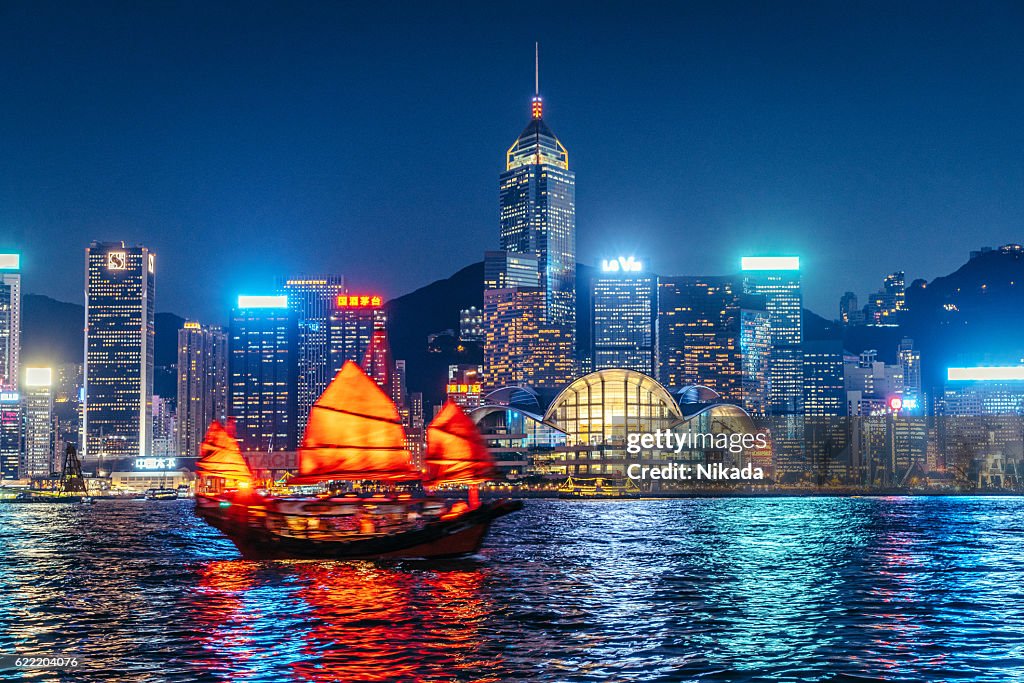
point(456, 537)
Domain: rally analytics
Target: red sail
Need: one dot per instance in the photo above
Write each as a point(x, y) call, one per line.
point(455, 450)
point(221, 457)
point(354, 432)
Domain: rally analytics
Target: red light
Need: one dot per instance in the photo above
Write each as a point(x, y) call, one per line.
point(359, 301)
point(896, 403)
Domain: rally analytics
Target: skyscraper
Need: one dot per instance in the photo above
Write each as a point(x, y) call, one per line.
point(37, 402)
point(10, 434)
point(262, 369)
point(312, 299)
point(10, 320)
point(521, 349)
point(624, 315)
point(353, 320)
point(538, 219)
point(777, 279)
point(119, 334)
point(910, 360)
point(202, 383)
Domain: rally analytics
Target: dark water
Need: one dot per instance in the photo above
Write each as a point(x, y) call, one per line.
point(721, 590)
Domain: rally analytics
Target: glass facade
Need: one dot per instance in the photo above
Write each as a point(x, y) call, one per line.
point(784, 303)
point(10, 320)
point(598, 411)
point(10, 434)
point(537, 197)
point(263, 378)
point(119, 334)
point(624, 313)
point(520, 347)
point(312, 299)
point(37, 401)
point(202, 384)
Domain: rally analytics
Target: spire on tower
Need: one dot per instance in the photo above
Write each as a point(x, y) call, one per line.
point(537, 107)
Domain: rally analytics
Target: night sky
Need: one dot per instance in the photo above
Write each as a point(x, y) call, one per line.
point(245, 140)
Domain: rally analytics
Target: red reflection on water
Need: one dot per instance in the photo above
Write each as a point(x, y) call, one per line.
point(221, 622)
point(380, 624)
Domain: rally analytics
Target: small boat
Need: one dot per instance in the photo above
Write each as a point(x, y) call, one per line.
point(598, 487)
point(161, 494)
point(354, 436)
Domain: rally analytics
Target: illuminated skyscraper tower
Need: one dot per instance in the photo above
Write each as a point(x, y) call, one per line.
point(202, 384)
point(538, 220)
point(312, 299)
point(777, 279)
point(120, 291)
point(10, 319)
point(262, 346)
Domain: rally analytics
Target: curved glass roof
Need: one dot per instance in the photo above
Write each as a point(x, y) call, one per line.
point(605, 406)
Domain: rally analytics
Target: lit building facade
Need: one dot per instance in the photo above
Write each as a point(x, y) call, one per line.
point(10, 434)
point(120, 293)
point(503, 269)
point(202, 384)
point(10, 320)
point(538, 213)
point(312, 299)
point(624, 312)
point(37, 404)
point(536, 267)
point(353, 320)
point(777, 279)
point(712, 335)
point(464, 385)
point(471, 324)
point(521, 348)
point(262, 372)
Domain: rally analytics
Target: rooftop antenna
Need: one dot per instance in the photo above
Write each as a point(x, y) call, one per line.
point(536, 107)
point(536, 68)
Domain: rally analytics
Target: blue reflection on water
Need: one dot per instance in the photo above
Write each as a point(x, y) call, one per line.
point(663, 590)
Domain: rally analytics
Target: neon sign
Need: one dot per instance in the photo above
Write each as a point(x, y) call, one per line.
point(463, 388)
point(359, 301)
point(622, 264)
point(117, 260)
point(150, 464)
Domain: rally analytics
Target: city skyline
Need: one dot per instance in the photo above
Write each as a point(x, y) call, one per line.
point(739, 177)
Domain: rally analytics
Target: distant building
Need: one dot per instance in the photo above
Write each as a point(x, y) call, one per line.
point(710, 334)
point(262, 369)
point(777, 279)
point(10, 320)
point(37, 402)
point(202, 384)
point(910, 362)
point(312, 298)
point(10, 434)
point(352, 323)
point(165, 443)
point(849, 311)
point(465, 386)
point(870, 383)
point(471, 324)
point(119, 336)
point(624, 313)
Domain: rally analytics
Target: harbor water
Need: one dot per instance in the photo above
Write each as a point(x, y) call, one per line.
point(734, 589)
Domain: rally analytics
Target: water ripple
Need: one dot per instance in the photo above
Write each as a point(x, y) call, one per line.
point(816, 589)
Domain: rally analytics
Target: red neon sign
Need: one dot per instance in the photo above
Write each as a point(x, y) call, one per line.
point(359, 301)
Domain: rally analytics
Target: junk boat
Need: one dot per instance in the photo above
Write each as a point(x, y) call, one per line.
point(354, 434)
